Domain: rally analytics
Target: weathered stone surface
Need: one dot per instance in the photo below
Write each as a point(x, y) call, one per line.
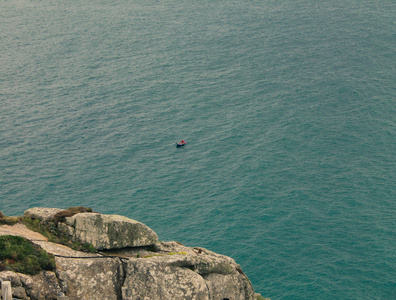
point(108, 231)
point(232, 286)
point(45, 286)
point(90, 278)
point(27, 281)
point(19, 293)
point(156, 278)
point(179, 272)
point(62, 296)
point(17, 290)
point(11, 276)
point(41, 286)
point(42, 213)
point(21, 230)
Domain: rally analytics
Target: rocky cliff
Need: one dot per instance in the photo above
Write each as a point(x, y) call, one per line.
point(129, 262)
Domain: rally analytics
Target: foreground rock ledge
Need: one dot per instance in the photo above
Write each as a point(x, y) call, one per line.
point(133, 264)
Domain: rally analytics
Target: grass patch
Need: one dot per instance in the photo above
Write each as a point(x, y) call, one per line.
point(4, 220)
point(20, 255)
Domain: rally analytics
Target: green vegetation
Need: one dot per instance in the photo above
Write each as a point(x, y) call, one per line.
point(51, 232)
point(4, 220)
point(50, 229)
point(20, 255)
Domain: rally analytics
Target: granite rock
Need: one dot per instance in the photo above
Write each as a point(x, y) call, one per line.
point(132, 265)
point(107, 231)
point(90, 278)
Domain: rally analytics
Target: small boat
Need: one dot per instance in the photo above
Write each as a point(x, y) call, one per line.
point(180, 144)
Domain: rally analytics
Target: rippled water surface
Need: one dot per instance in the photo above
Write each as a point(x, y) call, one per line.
point(288, 109)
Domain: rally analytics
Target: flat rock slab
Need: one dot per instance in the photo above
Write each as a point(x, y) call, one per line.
point(21, 230)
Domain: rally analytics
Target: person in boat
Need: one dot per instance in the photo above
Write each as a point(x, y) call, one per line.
point(183, 142)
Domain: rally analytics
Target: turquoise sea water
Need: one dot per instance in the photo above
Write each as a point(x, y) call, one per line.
point(288, 109)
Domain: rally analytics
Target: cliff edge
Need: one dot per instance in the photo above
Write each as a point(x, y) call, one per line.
point(126, 262)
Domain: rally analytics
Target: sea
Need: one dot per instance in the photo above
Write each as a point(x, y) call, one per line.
point(288, 109)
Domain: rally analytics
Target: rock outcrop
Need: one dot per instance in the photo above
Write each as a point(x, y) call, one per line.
point(102, 231)
point(107, 231)
point(133, 264)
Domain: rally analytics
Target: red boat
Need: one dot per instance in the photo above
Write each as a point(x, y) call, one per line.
point(181, 143)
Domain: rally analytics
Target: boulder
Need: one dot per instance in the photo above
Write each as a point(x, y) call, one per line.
point(43, 214)
point(107, 231)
